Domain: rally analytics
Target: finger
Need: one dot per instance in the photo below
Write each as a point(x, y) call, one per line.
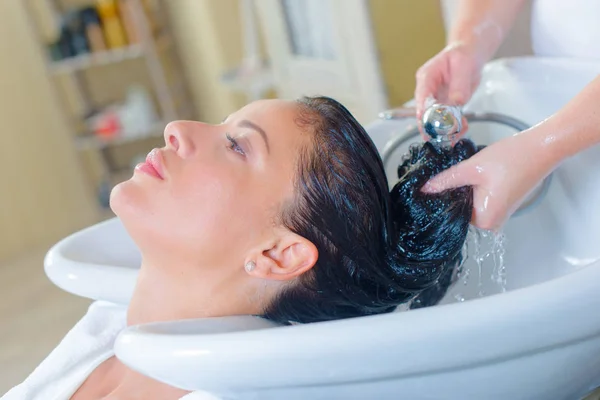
point(454, 177)
point(482, 221)
point(462, 133)
point(484, 218)
point(480, 215)
point(426, 89)
point(423, 95)
point(489, 212)
point(424, 135)
point(459, 87)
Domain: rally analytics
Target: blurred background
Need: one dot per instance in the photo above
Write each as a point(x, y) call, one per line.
point(87, 86)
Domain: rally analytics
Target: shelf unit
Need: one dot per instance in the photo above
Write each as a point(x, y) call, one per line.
point(171, 98)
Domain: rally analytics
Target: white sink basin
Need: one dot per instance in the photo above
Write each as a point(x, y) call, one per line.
point(538, 340)
point(100, 262)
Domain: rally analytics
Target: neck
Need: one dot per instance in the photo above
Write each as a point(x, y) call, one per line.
point(117, 381)
point(173, 292)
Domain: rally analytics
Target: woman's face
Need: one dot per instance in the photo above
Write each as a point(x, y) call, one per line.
point(211, 196)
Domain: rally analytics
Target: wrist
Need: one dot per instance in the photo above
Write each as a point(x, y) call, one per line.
point(547, 147)
point(480, 39)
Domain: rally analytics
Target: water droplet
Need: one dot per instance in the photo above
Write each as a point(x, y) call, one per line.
point(459, 297)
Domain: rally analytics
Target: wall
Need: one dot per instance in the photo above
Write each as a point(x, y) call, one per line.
point(46, 194)
point(42, 197)
point(517, 43)
point(208, 34)
point(407, 33)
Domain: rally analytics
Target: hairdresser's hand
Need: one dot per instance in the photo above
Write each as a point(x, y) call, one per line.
point(449, 78)
point(502, 175)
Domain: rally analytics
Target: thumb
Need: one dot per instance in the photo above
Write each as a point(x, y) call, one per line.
point(459, 88)
point(429, 81)
point(454, 177)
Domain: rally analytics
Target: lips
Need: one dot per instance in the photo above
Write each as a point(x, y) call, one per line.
point(153, 165)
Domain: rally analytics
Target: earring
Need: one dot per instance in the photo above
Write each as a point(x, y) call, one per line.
point(249, 267)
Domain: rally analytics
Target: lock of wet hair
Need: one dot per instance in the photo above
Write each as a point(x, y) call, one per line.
point(377, 248)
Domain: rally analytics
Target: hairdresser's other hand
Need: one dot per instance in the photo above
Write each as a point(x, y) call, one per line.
point(450, 77)
point(502, 175)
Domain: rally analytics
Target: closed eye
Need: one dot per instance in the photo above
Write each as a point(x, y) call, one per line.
point(233, 145)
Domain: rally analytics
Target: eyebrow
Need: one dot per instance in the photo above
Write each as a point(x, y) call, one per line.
point(252, 125)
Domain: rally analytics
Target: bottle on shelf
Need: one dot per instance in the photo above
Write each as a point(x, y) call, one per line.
point(93, 29)
point(114, 32)
point(127, 13)
point(73, 22)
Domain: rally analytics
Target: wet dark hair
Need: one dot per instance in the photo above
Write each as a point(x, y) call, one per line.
point(377, 249)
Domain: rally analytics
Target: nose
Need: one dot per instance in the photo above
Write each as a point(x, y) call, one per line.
point(178, 137)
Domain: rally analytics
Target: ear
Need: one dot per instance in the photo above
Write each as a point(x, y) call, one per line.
point(291, 256)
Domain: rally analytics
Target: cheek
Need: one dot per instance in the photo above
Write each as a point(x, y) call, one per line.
point(198, 202)
point(187, 216)
point(208, 212)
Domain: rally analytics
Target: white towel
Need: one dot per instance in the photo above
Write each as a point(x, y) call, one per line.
point(86, 346)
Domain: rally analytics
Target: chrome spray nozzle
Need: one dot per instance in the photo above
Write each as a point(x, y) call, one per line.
point(442, 122)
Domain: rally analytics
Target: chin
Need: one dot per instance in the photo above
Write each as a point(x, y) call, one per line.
point(139, 213)
point(121, 198)
point(130, 204)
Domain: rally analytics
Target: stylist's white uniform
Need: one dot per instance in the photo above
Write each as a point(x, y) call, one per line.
point(566, 28)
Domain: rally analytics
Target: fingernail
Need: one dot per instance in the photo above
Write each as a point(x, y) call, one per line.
point(457, 97)
point(428, 188)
